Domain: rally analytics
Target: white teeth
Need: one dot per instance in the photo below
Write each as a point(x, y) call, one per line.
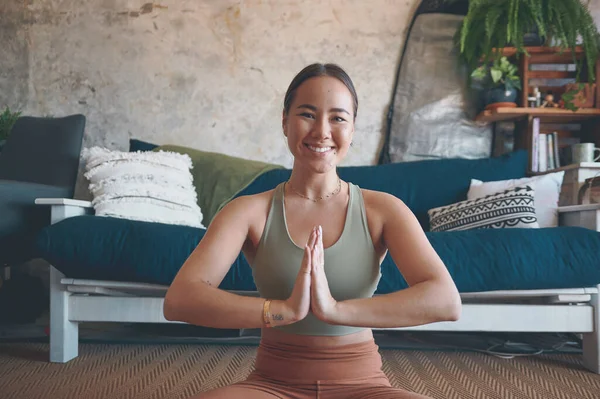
point(319, 149)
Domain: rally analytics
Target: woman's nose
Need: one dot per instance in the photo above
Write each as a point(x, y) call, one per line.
point(322, 128)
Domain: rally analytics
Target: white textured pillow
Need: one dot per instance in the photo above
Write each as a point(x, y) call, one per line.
point(547, 191)
point(512, 208)
point(147, 186)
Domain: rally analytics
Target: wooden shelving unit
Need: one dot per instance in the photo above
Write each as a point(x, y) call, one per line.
point(587, 120)
point(587, 165)
point(537, 50)
point(550, 115)
point(548, 55)
point(573, 179)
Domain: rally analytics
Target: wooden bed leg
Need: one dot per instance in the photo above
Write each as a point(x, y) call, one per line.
point(64, 334)
point(591, 341)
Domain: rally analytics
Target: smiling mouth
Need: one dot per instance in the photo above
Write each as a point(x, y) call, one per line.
point(319, 150)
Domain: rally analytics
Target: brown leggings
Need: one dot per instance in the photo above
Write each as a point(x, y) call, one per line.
point(294, 372)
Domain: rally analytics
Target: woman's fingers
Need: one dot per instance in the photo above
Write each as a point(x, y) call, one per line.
point(314, 249)
point(307, 260)
point(312, 238)
point(318, 246)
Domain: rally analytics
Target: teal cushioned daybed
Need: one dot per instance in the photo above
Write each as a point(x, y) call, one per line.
point(100, 248)
point(479, 260)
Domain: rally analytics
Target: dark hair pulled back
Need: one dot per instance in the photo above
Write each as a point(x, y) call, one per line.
point(313, 71)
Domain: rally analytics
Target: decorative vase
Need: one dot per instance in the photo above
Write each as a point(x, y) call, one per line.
point(499, 95)
point(585, 94)
point(532, 37)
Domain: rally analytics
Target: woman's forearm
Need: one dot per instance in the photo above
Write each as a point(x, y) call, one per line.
point(208, 306)
point(423, 303)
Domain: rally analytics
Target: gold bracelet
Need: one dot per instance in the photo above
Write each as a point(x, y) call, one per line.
point(267, 313)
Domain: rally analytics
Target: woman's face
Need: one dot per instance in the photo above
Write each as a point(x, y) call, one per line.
point(320, 124)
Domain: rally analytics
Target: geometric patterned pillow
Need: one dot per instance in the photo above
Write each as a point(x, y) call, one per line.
point(510, 208)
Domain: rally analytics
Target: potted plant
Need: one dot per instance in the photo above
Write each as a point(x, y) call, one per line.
point(7, 120)
point(495, 24)
point(499, 81)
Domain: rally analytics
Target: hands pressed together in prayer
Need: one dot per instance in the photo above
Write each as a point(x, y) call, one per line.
point(311, 290)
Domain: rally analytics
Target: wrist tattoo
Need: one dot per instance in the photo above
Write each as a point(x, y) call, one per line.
point(278, 317)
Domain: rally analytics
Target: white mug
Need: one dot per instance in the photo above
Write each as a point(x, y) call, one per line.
point(584, 152)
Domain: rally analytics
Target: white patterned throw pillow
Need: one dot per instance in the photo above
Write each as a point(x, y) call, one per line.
point(147, 186)
point(514, 208)
point(547, 192)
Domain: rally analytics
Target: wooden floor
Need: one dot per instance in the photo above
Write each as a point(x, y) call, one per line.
point(128, 371)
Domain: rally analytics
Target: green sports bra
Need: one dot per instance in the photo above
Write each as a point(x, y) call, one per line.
point(351, 264)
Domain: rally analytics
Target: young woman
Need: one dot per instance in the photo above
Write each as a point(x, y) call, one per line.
point(315, 244)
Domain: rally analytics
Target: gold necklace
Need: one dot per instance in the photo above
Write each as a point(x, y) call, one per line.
point(334, 192)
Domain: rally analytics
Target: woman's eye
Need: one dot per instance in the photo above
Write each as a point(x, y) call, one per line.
point(339, 119)
point(307, 115)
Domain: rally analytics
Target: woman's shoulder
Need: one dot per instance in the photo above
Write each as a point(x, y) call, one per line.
point(378, 197)
point(253, 200)
point(251, 205)
point(382, 203)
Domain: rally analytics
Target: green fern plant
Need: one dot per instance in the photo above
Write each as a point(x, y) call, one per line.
point(495, 24)
point(7, 120)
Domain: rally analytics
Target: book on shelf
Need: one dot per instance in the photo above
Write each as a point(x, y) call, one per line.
point(535, 143)
point(542, 151)
point(555, 147)
point(549, 150)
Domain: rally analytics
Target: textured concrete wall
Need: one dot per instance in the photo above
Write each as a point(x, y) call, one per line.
point(594, 6)
point(210, 74)
point(14, 54)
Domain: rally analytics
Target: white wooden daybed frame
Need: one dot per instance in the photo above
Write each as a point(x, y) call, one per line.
point(73, 301)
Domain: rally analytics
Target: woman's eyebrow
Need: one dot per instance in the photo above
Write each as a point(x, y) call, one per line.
point(313, 108)
point(339, 110)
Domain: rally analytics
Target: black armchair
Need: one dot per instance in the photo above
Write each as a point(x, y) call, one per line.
point(39, 159)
